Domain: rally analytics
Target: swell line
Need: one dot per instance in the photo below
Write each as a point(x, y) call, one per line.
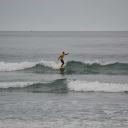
point(64, 86)
point(71, 67)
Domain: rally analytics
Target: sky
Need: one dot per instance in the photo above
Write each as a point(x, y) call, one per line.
point(64, 15)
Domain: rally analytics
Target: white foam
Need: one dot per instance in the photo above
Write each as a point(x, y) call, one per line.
point(23, 65)
point(15, 84)
point(50, 64)
point(98, 62)
point(19, 84)
point(15, 66)
point(96, 86)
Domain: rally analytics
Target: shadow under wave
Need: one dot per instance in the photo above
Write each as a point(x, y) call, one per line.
point(57, 86)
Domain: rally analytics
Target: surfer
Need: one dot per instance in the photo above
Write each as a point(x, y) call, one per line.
point(62, 57)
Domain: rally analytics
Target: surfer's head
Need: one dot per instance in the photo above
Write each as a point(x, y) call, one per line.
point(63, 52)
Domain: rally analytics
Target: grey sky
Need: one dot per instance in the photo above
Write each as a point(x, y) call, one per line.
point(64, 15)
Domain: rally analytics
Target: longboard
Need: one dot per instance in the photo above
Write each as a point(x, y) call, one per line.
point(60, 67)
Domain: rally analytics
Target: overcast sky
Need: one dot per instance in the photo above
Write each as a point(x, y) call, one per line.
point(64, 15)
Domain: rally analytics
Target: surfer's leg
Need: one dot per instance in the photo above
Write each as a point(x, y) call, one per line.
point(62, 63)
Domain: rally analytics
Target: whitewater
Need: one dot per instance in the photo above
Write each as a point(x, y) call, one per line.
point(72, 67)
point(73, 85)
point(91, 92)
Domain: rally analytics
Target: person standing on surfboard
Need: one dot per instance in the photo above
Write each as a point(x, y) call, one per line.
point(62, 58)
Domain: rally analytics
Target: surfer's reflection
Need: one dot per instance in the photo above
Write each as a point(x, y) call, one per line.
point(62, 71)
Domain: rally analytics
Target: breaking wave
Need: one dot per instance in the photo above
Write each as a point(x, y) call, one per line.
point(64, 85)
point(72, 67)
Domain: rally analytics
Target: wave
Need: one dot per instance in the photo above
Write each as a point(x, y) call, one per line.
point(36, 87)
point(96, 86)
point(64, 85)
point(72, 67)
point(96, 67)
point(4, 67)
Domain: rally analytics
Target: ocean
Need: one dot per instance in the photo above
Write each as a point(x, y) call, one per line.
point(91, 92)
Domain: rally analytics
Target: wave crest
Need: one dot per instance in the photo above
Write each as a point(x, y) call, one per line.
point(96, 86)
point(4, 67)
point(64, 85)
point(72, 67)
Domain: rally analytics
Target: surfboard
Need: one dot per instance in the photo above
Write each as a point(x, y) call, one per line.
point(60, 67)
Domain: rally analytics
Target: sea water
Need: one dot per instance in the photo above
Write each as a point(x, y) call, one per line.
point(91, 92)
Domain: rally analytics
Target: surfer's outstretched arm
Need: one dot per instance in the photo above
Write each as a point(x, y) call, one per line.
point(66, 53)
